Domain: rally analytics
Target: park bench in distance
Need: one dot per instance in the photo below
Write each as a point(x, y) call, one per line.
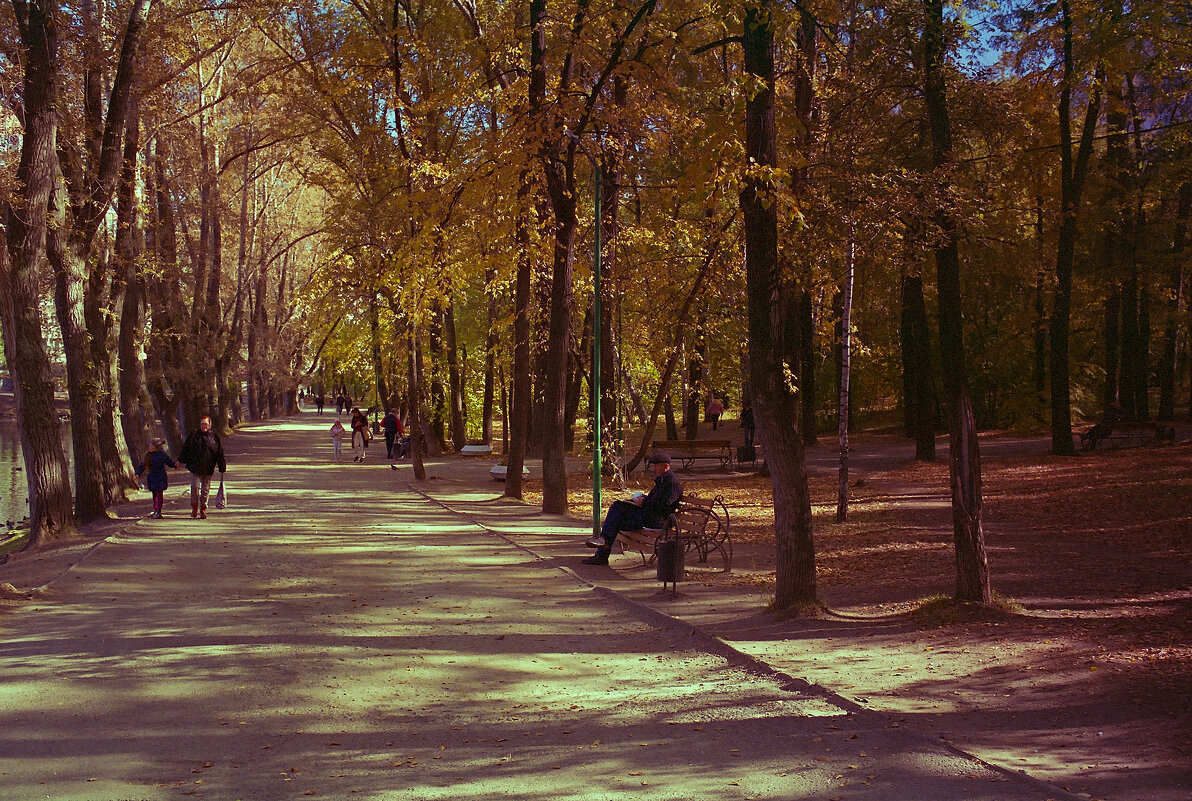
point(699, 524)
point(1125, 435)
point(687, 451)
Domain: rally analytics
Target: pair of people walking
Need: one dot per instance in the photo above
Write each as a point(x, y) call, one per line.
point(202, 453)
point(359, 433)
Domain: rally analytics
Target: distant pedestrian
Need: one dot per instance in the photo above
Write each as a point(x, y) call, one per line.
point(713, 411)
point(337, 439)
point(392, 427)
point(339, 403)
point(153, 467)
point(202, 453)
point(319, 403)
point(360, 436)
point(747, 424)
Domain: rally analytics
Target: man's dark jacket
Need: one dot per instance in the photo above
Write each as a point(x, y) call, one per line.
point(202, 453)
point(663, 499)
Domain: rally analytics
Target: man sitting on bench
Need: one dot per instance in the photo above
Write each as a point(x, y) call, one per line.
point(648, 512)
point(1113, 415)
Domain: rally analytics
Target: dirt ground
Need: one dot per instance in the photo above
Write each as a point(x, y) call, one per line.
point(1083, 677)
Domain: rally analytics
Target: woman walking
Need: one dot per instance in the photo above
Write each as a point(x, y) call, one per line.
point(359, 435)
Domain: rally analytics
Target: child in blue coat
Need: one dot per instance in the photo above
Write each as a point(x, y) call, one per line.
point(154, 469)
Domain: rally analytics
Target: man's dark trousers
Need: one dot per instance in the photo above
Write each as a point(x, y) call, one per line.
point(622, 516)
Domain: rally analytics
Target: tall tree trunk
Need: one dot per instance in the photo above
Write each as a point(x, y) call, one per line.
point(378, 360)
point(67, 252)
point(561, 189)
point(776, 407)
point(668, 413)
point(490, 363)
point(697, 352)
point(576, 371)
point(558, 166)
point(435, 412)
point(610, 222)
point(1171, 332)
point(1072, 178)
point(972, 566)
point(50, 513)
point(519, 422)
point(846, 352)
point(807, 359)
point(1129, 331)
point(416, 427)
point(1040, 362)
point(458, 426)
point(806, 41)
point(1113, 345)
point(1121, 302)
point(1142, 396)
point(430, 402)
point(919, 381)
point(134, 399)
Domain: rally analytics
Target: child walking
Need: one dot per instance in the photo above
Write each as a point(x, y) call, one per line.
point(337, 438)
point(154, 469)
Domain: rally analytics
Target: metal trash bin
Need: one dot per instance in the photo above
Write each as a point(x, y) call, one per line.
point(669, 553)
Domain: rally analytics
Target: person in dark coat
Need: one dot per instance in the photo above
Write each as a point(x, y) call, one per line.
point(153, 467)
point(392, 426)
point(747, 424)
point(360, 435)
point(202, 453)
point(649, 511)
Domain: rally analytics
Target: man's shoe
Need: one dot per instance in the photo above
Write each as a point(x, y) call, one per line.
point(594, 542)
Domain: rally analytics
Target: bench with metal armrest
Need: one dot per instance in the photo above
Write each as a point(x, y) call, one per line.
point(699, 524)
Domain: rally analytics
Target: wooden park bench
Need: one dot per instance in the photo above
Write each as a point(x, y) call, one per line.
point(1125, 435)
point(700, 525)
point(687, 451)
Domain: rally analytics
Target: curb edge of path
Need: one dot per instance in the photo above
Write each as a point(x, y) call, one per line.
point(710, 643)
point(34, 593)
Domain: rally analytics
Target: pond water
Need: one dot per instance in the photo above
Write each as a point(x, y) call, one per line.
point(14, 486)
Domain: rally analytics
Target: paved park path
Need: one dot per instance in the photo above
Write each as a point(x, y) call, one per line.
point(338, 633)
